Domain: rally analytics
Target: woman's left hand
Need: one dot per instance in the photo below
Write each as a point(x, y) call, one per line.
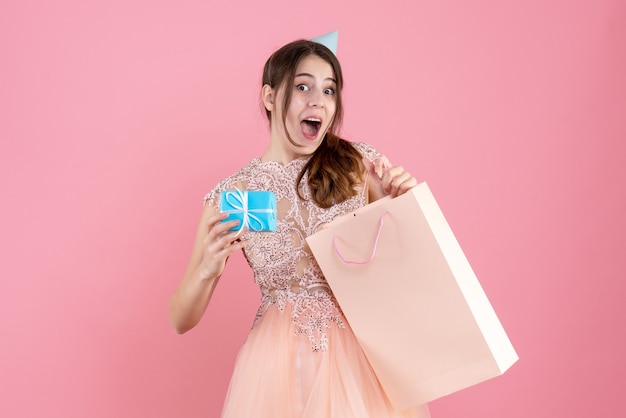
point(387, 180)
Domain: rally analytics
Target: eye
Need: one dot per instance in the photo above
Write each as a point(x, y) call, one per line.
point(302, 87)
point(329, 91)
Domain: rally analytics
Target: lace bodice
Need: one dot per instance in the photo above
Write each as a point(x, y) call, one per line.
point(283, 265)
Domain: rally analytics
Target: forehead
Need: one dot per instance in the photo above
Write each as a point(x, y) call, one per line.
point(315, 66)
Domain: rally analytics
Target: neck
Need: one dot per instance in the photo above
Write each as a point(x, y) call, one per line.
point(280, 156)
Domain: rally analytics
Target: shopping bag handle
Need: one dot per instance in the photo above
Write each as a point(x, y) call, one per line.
point(371, 257)
point(367, 175)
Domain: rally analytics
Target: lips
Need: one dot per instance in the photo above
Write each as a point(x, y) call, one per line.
point(311, 127)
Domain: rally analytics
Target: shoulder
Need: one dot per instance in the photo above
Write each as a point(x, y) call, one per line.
point(236, 180)
point(366, 150)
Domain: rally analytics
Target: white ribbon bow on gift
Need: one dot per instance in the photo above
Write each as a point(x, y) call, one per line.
point(239, 201)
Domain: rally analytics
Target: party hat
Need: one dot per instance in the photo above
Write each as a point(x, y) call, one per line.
point(329, 40)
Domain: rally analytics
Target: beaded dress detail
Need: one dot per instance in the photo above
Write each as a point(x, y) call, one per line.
point(297, 361)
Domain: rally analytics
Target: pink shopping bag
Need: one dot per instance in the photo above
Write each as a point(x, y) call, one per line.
point(412, 298)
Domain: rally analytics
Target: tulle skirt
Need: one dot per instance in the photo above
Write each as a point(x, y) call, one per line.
point(278, 375)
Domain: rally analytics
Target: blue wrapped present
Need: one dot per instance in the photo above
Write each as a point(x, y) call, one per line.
point(255, 210)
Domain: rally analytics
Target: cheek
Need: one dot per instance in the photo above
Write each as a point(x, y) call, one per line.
point(293, 117)
point(295, 108)
point(332, 108)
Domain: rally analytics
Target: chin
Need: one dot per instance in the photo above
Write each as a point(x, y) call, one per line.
point(306, 151)
point(311, 145)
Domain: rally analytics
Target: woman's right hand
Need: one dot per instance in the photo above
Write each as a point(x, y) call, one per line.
point(213, 245)
point(218, 244)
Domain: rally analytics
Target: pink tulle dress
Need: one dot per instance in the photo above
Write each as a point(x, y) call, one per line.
point(301, 359)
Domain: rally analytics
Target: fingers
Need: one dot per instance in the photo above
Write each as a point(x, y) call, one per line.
point(219, 232)
point(216, 226)
point(220, 241)
point(397, 181)
point(390, 180)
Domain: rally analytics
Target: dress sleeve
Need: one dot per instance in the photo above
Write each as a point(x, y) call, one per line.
point(213, 197)
point(366, 150)
point(209, 198)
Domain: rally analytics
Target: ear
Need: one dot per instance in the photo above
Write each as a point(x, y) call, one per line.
point(268, 96)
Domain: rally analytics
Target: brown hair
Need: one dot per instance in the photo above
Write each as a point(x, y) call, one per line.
point(334, 169)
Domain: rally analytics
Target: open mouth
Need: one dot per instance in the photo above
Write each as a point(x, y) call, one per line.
point(311, 127)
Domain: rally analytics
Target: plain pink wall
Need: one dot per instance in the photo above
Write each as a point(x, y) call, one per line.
point(117, 116)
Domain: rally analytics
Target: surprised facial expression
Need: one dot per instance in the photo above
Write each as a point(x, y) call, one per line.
point(312, 107)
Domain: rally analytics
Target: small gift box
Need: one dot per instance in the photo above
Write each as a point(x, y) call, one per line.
point(255, 210)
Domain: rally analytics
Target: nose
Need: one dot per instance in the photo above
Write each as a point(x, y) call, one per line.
point(316, 99)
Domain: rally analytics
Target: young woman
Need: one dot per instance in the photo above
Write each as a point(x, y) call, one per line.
point(301, 359)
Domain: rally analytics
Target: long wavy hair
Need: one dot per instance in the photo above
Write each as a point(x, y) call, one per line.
point(335, 168)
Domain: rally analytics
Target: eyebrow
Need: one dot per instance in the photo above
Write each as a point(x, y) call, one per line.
point(310, 75)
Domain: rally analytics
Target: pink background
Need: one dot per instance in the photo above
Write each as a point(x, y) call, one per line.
point(117, 116)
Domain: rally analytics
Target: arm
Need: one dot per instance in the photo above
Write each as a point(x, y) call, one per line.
point(213, 245)
point(385, 179)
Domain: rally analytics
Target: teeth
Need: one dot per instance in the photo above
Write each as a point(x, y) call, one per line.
point(313, 120)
